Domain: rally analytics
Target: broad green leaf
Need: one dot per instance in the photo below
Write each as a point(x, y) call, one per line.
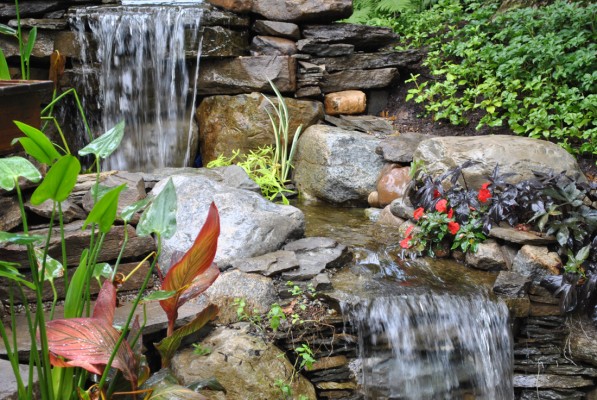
point(19, 238)
point(195, 262)
point(54, 268)
point(37, 144)
point(74, 300)
point(160, 216)
point(98, 191)
point(11, 168)
point(103, 212)
point(583, 253)
point(102, 270)
point(30, 44)
point(168, 346)
point(88, 343)
point(10, 271)
point(4, 71)
point(127, 214)
point(59, 181)
point(7, 30)
point(160, 295)
point(105, 145)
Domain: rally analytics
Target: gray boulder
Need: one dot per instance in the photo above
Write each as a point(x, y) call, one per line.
point(337, 165)
point(518, 155)
point(250, 224)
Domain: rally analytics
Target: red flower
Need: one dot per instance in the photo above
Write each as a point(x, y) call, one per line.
point(451, 213)
point(436, 194)
point(418, 213)
point(453, 227)
point(405, 243)
point(484, 193)
point(441, 205)
point(409, 230)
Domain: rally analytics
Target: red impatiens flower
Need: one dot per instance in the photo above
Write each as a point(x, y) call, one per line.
point(453, 227)
point(441, 205)
point(484, 193)
point(405, 243)
point(451, 213)
point(409, 230)
point(418, 213)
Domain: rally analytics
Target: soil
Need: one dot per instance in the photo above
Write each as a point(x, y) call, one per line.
point(410, 117)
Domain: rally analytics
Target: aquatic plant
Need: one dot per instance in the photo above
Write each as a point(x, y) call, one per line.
point(65, 350)
point(25, 47)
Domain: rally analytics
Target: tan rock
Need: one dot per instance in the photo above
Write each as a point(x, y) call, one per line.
point(373, 199)
point(346, 102)
point(237, 6)
point(386, 218)
point(270, 45)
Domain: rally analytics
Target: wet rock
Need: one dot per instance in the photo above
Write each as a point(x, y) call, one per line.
point(245, 365)
point(336, 165)
point(392, 183)
point(31, 8)
point(551, 381)
point(324, 49)
point(386, 218)
point(514, 154)
point(536, 262)
point(346, 102)
point(488, 257)
point(541, 295)
point(520, 237)
point(322, 282)
point(270, 45)
point(363, 37)
point(270, 264)
point(70, 211)
point(228, 123)
point(551, 395)
point(400, 148)
point(44, 44)
point(246, 74)
point(398, 59)
point(582, 340)
point(519, 307)
point(9, 388)
point(402, 208)
point(11, 213)
point(53, 24)
point(257, 291)
point(217, 41)
point(359, 79)
point(250, 225)
point(543, 310)
point(315, 254)
point(275, 28)
point(134, 190)
point(511, 284)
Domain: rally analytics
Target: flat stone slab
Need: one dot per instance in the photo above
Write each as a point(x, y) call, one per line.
point(551, 381)
point(315, 254)
point(400, 148)
point(362, 123)
point(8, 388)
point(511, 284)
point(270, 264)
point(520, 237)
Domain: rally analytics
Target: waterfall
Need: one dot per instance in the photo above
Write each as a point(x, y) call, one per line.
point(139, 56)
point(420, 347)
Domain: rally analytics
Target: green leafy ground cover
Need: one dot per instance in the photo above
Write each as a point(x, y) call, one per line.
point(533, 70)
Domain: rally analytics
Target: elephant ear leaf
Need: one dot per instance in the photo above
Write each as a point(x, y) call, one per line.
point(106, 144)
point(88, 343)
point(59, 181)
point(37, 144)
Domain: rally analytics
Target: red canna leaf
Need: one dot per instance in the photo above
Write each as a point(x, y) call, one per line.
point(200, 285)
point(195, 261)
point(105, 304)
point(88, 343)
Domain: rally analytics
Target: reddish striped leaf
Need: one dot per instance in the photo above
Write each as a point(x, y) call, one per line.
point(195, 261)
point(105, 305)
point(88, 343)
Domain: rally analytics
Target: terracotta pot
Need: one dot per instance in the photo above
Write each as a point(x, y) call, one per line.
point(20, 101)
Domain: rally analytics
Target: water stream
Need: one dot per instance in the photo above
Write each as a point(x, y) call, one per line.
point(428, 329)
point(138, 54)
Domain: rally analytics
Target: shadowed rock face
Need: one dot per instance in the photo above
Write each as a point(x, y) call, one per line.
point(517, 155)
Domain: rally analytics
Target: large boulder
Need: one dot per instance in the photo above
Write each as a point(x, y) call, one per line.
point(291, 10)
point(517, 155)
point(228, 123)
point(244, 364)
point(250, 224)
point(337, 165)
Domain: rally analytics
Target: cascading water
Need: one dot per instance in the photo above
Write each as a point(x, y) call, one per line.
point(424, 347)
point(138, 53)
